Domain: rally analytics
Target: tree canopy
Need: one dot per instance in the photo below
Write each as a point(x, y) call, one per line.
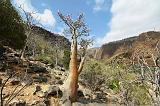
point(12, 32)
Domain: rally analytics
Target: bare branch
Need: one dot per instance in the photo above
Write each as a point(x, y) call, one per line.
point(67, 19)
point(81, 64)
point(3, 88)
point(83, 47)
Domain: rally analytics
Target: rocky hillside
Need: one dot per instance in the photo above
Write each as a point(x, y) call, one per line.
point(55, 39)
point(144, 45)
point(33, 83)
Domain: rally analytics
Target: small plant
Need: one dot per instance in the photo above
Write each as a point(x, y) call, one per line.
point(93, 76)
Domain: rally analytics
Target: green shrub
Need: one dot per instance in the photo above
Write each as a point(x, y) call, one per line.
point(92, 75)
point(114, 84)
point(66, 59)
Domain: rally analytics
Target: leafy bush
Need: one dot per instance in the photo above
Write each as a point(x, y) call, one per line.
point(136, 95)
point(66, 59)
point(114, 84)
point(121, 80)
point(92, 75)
point(41, 49)
point(127, 82)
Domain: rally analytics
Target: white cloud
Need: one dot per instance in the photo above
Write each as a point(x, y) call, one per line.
point(98, 5)
point(45, 18)
point(101, 5)
point(131, 17)
point(25, 4)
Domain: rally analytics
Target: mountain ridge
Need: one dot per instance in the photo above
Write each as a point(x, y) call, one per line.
point(143, 45)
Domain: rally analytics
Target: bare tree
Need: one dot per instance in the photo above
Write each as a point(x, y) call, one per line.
point(77, 29)
point(17, 90)
point(29, 22)
point(150, 71)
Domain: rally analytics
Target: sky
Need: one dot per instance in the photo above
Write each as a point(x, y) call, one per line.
point(108, 20)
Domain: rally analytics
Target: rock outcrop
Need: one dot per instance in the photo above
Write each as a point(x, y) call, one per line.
point(143, 45)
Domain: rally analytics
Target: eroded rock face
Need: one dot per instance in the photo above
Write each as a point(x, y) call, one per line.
point(142, 44)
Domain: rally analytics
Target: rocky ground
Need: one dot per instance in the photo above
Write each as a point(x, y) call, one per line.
point(32, 83)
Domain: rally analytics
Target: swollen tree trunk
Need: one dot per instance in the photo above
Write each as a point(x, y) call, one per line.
point(73, 70)
point(71, 84)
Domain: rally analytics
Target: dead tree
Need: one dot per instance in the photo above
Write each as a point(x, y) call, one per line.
point(77, 29)
point(150, 73)
point(29, 22)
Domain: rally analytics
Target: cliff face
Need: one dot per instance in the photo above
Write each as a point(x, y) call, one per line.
point(109, 49)
point(146, 44)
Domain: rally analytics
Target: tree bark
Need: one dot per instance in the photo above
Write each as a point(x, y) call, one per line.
point(73, 84)
point(81, 64)
point(23, 51)
point(24, 48)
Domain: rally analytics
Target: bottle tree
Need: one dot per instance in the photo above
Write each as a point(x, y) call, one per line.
point(78, 31)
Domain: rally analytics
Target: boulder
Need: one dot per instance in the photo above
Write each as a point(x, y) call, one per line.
point(100, 95)
point(15, 81)
point(26, 82)
point(78, 104)
point(40, 78)
point(40, 94)
point(36, 89)
point(39, 104)
point(112, 99)
point(37, 68)
point(54, 91)
point(44, 102)
point(80, 94)
point(16, 102)
point(60, 82)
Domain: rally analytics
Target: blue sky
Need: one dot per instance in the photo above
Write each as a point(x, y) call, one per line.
point(108, 20)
